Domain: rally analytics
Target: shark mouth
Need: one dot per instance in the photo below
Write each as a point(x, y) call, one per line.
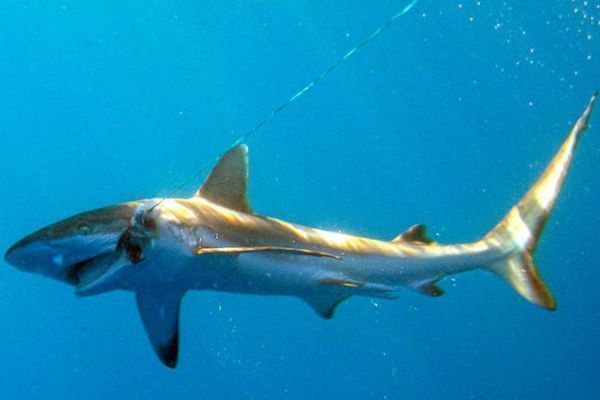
point(85, 273)
point(88, 274)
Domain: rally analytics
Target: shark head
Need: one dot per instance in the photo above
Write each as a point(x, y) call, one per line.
point(60, 250)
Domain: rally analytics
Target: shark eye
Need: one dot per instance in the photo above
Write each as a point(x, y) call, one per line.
point(83, 229)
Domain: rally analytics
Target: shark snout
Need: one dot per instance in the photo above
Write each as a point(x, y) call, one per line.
point(52, 259)
point(59, 250)
point(59, 257)
point(39, 257)
point(14, 256)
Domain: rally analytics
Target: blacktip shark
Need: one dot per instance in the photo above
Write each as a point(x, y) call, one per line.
point(161, 248)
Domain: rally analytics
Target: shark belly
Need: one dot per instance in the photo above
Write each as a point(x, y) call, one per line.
point(366, 274)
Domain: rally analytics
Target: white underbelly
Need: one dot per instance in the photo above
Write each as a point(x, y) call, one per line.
point(284, 274)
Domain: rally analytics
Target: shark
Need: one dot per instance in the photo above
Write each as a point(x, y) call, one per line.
point(161, 248)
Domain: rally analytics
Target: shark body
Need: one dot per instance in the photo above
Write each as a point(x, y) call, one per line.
point(161, 248)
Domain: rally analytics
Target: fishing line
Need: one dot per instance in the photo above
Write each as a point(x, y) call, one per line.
point(299, 94)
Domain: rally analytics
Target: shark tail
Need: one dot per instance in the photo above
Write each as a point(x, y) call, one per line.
point(517, 235)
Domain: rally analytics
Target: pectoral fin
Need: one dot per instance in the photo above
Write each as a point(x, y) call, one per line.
point(272, 249)
point(160, 315)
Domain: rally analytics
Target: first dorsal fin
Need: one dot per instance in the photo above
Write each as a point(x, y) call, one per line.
point(227, 184)
point(415, 234)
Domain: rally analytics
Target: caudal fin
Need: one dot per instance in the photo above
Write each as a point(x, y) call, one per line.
point(517, 235)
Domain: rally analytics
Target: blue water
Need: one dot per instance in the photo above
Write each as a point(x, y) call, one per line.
point(445, 119)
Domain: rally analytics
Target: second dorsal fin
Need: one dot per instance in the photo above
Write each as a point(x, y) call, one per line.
point(227, 184)
point(415, 234)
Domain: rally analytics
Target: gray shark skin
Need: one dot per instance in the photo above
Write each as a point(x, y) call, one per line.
point(161, 248)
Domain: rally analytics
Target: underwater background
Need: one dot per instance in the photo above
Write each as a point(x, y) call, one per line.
point(444, 119)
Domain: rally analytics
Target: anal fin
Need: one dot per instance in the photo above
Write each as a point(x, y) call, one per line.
point(429, 288)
